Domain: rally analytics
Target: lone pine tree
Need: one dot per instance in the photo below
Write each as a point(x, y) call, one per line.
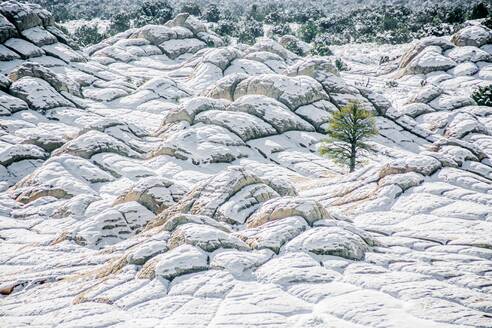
point(347, 130)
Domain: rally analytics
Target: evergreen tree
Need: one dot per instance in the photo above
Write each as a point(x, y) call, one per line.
point(191, 8)
point(153, 12)
point(86, 35)
point(120, 22)
point(347, 130)
point(211, 13)
point(480, 10)
point(321, 46)
point(308, 31)
point(483, 95)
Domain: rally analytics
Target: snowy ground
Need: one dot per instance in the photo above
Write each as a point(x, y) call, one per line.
point(161, 178)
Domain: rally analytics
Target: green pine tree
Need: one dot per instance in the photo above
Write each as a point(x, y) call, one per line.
point(347, 131)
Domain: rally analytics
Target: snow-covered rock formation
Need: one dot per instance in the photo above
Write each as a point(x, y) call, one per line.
point(162, 178)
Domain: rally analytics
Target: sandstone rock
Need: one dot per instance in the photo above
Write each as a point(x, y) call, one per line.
point(156, 34)
point(329, 241)
point(24, 48)
point(59, 82)
point(291, 91)
point(24, 16)
point(177, 47)
point(95, 142)
point(429, 61)
point(290, 40)
point(15, 153)
point(38, 94)
point(7, 29)
point(420, 164)
point(205, 237)
point(11, 104)
point(468, 54)
point(155, 193)
point(181, 260)
point(293, 267)
point(63, 52)
point(420, 45)
point(240, 206)
point(283, 207)
point(272, 112)
point(475, 35)
point(416, 109)
point(246, 126)
point(273, 235)
point(142, 253)
point(39, 36)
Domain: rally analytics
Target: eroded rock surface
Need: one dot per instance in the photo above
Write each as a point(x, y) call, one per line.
point(164, 178)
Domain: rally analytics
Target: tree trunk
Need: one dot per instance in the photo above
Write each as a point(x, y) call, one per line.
point(353, 154)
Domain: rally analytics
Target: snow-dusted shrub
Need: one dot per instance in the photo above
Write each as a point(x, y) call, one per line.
point(308, 31)
point(153, 12)
point(340, 65)
point(281, 29)
point(480, 10)
point(483, 96)
point(226, 27)
point(321, 46)
point(191, 8)
point(86, 35)
point(211, 13)
point(249, 30)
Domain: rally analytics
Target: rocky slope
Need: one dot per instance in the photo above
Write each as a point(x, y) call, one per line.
point(161, 178)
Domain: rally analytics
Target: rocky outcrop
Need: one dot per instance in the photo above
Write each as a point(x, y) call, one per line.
point(162, 178)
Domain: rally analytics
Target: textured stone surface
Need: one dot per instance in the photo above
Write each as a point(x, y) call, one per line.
point(141, 189)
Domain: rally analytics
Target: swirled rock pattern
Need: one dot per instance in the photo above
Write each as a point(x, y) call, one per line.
point(162, 178)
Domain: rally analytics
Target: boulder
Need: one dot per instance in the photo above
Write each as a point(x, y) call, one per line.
point(24, 15)
point(279, 208)
point(95, 142)
point(440, 42)
point(39, 36)
point(205, 237)
point(59, 82)
point(156, 34)
point(24, 48)
point(474, 35)
point(177, 47)
point(38, 94)
point(468, 54)
point(429, 61)
point(7, 29)
point(291, 91)
point(178, 261)
point(334, 241)
point(155, 193)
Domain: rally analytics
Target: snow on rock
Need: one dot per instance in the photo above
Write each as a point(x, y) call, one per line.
point(163, 178)
point(280, 208)
point(474, 35)
point(24, 48)
point(329, 241)
point(429, 61)
point(180, 260)
point(38, 94)
point(203, 236)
